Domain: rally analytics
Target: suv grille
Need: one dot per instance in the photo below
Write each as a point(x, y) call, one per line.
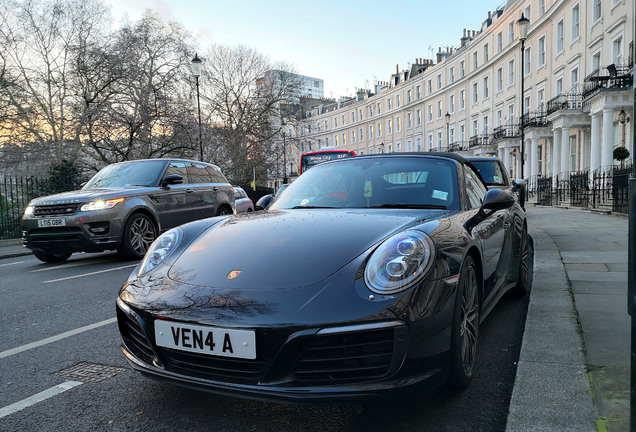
point(55, 209)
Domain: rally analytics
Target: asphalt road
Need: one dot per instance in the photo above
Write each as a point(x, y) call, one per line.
point(54, 317)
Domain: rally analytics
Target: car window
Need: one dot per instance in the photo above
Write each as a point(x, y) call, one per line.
point(215, 175)
point(239, 193)
point(198, 173)
point(475, 189)
point(139, 173)
point(491, 171)
point(178, 167)
point(374, 182)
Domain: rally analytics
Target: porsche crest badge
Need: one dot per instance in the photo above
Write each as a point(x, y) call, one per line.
point(234, 273)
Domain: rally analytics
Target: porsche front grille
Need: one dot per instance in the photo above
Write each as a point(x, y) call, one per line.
point(346, 357)
point(134, 337)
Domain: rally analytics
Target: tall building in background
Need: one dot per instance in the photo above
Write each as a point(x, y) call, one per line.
point(307, 86)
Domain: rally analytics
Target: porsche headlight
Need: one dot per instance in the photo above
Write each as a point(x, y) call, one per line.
point(101, 204)
point(160, 249)
point(399, 262)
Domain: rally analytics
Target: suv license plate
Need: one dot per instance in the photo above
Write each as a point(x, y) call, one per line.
point(51, 222)
point(206, 340)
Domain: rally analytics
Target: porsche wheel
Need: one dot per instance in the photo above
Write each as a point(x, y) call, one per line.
point(52, 258)
point(465, 329)
point(139, 233)
point(525, 264)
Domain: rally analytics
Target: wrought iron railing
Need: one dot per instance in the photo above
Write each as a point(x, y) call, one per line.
point(536, 118)
point(607, 77)
point(505, 131)
point(565, 101)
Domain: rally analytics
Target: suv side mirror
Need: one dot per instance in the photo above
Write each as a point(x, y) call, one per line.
point(172, 179)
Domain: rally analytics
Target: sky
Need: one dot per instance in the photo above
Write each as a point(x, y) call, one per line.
point(349, 44)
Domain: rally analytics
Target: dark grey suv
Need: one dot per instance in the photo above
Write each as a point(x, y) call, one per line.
point(124, 207)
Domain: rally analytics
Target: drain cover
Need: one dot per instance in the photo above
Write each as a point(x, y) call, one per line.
point(90, 372)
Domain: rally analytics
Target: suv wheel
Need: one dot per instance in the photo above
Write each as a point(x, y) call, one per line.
point(223, 211)
point(52, 258)
point(139, 233)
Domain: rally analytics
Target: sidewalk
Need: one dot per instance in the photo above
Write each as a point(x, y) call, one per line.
point(574, 366)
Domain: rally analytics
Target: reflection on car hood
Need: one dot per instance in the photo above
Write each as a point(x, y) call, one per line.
point(86, 195)
point(285, 249)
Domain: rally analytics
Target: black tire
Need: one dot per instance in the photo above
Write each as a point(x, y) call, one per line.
point(525, 264)
point(223, 211)
point(139, 233)
point(465, 328)
point(52, 258)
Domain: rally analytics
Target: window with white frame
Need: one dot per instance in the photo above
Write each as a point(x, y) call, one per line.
point(430, 86)
point(361, 134)
point(511, 72)
point(451, 74)
point(596, 61)
point(439, 81)
point(462, 69)
point(353, 117)
point(486, 53)
point(498, 118)
point(499, 80)
point(474, 60)
point(388, 104)
point(379, 129)
point(439, 109)
point(475, 128)
point(409, 146)
point(540, 100)
point(353, 136)
point(527, 58)
point(429, 115)
point(511, 32)
point(408, 95)
point(370, 131)
point(462, 99)
point(511, 114)
point(541, 52)
point(343, 119)
point(439, 140)
point(397, 100)
point(451, 135)
point(541, 8)
point(462, 133)
point(558, 86)
point(335, 122)
point(617, 51)
point(371, 111)
point(597, 10)
point(451, 104)
point(430, 142)
point(486, 91)
point(559, 37)
point(475, 93)
point(576, 19)
point(527, 11)
point(409, 120)
point(499, 41)
point(418, 144)
point(417, 92)
point(389, 126)
point(526, 104)
point(574, 79)
point(485, 124)
point(379, 108)
point(418, 120)
point(398, 124)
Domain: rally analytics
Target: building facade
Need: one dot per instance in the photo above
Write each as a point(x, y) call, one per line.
point(577, 94)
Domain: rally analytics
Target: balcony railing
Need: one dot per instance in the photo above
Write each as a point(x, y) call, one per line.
point(479, 140)
point(566, 101)
point(505, 131)
point(459, 146)
point(610, 77)
point(536, 118)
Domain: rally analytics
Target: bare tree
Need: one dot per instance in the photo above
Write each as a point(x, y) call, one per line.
point(242, 92)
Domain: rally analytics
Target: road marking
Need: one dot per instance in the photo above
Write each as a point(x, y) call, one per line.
point(32, 400)
point(52, 339)
point(90, 274)
point(69, 265)
point(13, 263)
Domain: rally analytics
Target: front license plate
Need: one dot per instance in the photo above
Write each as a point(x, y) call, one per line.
point(206, 340)
point(51, 222)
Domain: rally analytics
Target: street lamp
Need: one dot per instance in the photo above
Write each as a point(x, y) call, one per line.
point(522, 28)
point(447, 118)
point(284, 154)
point(196, 71)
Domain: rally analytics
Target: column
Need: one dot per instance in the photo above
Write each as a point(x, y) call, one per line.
point(607, 146)
point(534, 156)
point(565, 149)
point(595, 145)
point(506, 159)
point(556, 152)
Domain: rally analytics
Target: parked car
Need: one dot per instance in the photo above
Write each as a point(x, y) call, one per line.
point(124, 207)
point(372, 275)
point(495, 175)
point(264, 201)
point(243, 203)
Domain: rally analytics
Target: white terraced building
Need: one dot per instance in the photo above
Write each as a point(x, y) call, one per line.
point(577, 97)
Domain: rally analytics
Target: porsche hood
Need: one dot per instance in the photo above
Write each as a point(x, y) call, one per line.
point(283, 249)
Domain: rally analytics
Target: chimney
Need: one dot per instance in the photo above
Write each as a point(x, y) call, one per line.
point(397, 68)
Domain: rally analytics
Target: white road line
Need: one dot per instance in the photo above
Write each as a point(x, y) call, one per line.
point(32, 400)
point(13, 263)
point(71, 264)
point(90, 274)
point(52, 339)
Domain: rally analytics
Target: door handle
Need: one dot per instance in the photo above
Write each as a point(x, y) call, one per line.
point(189, 191)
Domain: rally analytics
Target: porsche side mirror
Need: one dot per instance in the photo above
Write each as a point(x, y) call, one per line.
point(263, 202)
point(498, 199)
point(172, 179)
point(520, 188)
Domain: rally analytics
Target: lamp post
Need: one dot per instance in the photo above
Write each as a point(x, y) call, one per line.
point(196, 71)
point(522, 27)
point(284, 155)
point(447, 119)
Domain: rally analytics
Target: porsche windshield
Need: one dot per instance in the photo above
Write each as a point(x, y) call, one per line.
point(140, 173)
point(375, 182)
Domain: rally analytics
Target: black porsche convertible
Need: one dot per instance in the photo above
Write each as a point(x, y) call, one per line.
point(369, 275)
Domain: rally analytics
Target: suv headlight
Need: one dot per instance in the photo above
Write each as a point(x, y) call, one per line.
point(29, 210)
point(101, 204)
point(160, 249)
point(400, 262)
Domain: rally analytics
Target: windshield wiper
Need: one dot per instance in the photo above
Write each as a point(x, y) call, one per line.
point(412, 206)
point(313, 207)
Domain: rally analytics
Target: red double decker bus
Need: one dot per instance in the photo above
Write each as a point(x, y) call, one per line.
point(307, 160)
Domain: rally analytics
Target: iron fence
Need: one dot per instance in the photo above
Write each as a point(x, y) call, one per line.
point(15, 194)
